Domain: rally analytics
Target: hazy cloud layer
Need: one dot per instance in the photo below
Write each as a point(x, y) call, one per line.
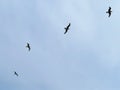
point(86, 58)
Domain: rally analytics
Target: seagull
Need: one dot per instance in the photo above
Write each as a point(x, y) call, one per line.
point(16, 73)
point(109, 11)
point(67, 28)
point(28, 46)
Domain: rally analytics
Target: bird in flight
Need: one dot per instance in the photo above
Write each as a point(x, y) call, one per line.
point(109, 11)
point(67, 28)
point(16, 73)
point(28, 46)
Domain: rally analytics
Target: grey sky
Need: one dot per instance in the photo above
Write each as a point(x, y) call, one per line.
point(86, 58)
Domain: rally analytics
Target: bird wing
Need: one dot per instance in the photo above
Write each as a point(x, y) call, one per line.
point(69, 25)
point(29, 48)
point(109, 14)
point(110, 8)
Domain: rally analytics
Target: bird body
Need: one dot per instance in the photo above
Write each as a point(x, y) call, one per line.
point(109, 11)
point(16, 73)
point(67, 28)
point(28, 46)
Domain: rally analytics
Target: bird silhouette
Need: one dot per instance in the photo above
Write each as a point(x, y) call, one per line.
point(28, 46)
point(67, 28)
point(109, 12)
point(16, 73)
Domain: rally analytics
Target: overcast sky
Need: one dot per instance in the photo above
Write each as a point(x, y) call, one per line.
point(85, 58)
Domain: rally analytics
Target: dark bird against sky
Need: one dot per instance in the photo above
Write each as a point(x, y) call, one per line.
point(67, 28)
point(109, 12)
point(28, 46)
point(16, 73)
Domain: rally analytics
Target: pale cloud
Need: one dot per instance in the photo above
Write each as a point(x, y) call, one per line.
point(86, 58)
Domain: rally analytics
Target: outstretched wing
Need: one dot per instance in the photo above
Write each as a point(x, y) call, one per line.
point(106, 11)
point(109, 8)
point(29, 47)
point(109, 14)
point(65, 31)
point(68, 25)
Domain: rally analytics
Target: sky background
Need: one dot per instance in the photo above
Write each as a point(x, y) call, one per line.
point(86, 58)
